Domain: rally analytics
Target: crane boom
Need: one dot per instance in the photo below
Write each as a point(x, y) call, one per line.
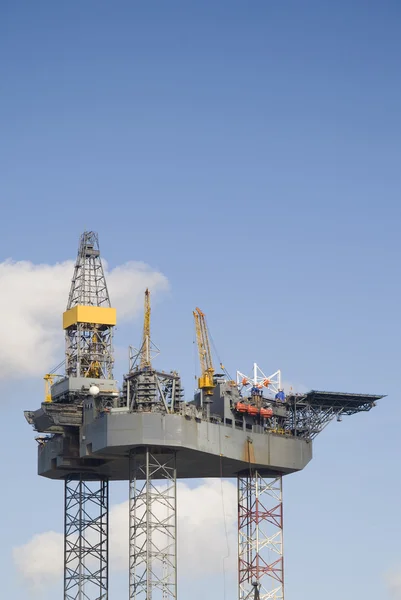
point(205, 382)
point(145, 350)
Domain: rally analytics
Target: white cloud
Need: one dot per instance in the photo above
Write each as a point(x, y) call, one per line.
point(393, 581)
point(33, 298)
point(206, 538)
point(40, 560)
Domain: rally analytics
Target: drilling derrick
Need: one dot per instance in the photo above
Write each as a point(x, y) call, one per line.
point(89, 319)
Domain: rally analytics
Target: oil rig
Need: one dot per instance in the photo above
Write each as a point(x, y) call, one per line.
point(93, 432)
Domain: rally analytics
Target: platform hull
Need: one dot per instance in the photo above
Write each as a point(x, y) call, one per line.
point(204, 449)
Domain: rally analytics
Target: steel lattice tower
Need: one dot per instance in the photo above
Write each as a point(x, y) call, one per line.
point(89, 318)
point(153, 522)
point(260, 537)
point(86, 539)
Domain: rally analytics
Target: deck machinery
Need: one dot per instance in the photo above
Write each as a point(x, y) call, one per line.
point(91, 432)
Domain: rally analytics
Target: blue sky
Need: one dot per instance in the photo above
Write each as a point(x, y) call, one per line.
point(249, 151)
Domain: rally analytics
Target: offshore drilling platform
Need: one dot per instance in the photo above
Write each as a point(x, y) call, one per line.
point(92, 433)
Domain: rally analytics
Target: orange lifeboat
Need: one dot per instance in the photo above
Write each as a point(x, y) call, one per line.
point(266, 413)
point(241, 407)
point(252, 410)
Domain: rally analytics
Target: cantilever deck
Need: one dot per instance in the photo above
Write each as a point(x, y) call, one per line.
point(349, 404)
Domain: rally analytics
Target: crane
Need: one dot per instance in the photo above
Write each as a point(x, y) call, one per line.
point(205, 382)
point(145, 349)
point(49, 380)
point(141, 357)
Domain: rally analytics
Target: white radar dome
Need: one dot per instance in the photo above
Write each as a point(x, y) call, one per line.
point(94, 390)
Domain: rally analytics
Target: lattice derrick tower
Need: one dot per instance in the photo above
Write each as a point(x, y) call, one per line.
point(89, 319)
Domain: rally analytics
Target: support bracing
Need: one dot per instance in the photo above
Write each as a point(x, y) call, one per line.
point(153, 540)
point(260, 537)
point(86, 539)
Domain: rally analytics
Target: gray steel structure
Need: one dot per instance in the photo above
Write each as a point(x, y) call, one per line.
point(146, 434)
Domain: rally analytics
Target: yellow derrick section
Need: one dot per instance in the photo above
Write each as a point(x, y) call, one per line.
point(99, 315)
